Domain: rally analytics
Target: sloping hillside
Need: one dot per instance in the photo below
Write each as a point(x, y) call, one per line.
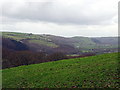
point(13, 44)
point(88, 72)
point(41, 43)
point(84, 43)
point(73, 45)
point(96, 42)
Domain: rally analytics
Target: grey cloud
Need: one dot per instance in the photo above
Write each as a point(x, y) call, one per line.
point(58, 12)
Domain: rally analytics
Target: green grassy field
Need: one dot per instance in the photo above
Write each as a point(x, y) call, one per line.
point(43, 42)
point(88, 72)
point(20, 36)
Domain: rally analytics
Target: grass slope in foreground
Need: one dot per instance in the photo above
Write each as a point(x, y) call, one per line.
point(94, 71)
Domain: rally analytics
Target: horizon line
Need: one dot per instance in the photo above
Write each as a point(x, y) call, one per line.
point(57, 35)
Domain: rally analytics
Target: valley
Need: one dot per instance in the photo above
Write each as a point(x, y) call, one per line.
point(27, 48)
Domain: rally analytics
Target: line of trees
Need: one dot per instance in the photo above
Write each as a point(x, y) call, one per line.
point(11, 58)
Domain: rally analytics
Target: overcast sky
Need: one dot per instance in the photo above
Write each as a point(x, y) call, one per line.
point(92, 18)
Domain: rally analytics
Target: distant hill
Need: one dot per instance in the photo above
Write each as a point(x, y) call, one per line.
point(13, 44)
point(100, 71)
point(74, 45)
